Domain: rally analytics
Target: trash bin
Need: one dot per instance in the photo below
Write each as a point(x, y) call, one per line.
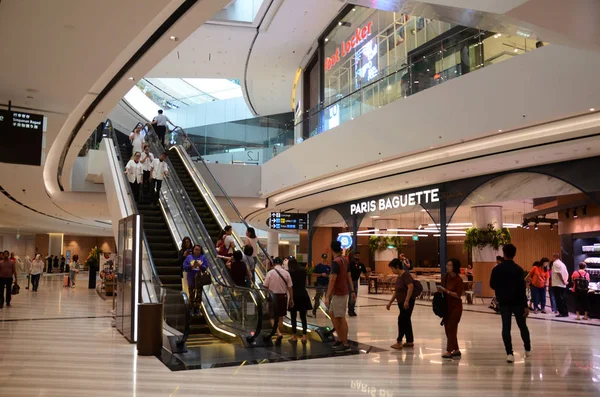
point(150, 329)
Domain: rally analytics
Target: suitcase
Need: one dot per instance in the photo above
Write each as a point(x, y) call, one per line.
point(66, 282)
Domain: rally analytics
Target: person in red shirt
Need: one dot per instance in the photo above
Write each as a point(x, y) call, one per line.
point(580, 289)
point(453, 287)
point(538, 279)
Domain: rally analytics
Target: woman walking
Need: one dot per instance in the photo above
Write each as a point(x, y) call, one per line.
point(538, 279)
point(452, 286)
point(406, 303)
point(37, 268)
point(73, 270)
point(301, 299)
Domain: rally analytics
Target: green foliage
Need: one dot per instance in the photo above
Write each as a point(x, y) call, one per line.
point(486, 237)
point(379, 243)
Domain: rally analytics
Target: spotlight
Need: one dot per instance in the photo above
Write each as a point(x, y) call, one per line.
point(536, 226)
point(567, 214)
point(575, 213)
point(524, 225)
point(584, 210)
point(552, 226)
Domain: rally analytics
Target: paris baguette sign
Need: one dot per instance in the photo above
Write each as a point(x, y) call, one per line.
point(397, 201)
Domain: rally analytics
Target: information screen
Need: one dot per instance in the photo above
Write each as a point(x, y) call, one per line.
point(288, 221)
point(365, 63)
point(21, 137)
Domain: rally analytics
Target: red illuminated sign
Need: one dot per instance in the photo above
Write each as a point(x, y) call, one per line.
point(347, 46)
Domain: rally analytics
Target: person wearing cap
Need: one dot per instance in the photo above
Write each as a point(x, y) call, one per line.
point(322, 272)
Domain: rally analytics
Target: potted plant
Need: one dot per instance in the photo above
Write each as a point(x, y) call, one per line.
point(486, 237)
point(380, 243)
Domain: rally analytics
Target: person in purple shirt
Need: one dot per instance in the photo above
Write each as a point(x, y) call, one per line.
point(194, 264)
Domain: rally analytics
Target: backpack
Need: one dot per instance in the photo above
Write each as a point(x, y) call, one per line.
point(582, 283)
point(439, 305)
point(417, 289)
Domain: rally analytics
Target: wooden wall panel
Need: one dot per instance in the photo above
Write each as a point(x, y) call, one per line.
point(532, 245)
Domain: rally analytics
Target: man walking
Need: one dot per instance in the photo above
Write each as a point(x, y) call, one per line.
point(508, 282)
point(356, 268)
point(159, 171)
point(321, 272)
point(7, 271)
point(336, 297)
point(160, 126)
point(560, 279)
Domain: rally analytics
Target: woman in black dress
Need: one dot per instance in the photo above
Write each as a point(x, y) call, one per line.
point(186, 249)
point(302, 302)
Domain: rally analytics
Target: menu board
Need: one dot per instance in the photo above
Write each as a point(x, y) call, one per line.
point(21, 135)
point(288, 221)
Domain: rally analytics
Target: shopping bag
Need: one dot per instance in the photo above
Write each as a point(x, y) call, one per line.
point(15, 289)
point(66, 281)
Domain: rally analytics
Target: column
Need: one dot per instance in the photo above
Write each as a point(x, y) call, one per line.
point(273, 243)
point(55, 243)
point(484, 259)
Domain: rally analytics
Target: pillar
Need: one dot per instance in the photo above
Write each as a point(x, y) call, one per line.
point(273, 243)
point(484, 259)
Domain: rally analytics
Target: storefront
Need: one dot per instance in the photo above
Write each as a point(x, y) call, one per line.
point(368, 58)
point(546, 209)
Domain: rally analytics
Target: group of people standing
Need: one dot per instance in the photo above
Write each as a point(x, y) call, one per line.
point(145, 173)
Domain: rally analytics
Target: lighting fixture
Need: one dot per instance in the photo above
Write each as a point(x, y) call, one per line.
point(536, 226)
point(354, 9)
point(525, 224)
point(516, 50)
point(552, 226)
point(326, 39)
point(131, 79)
point(499, 130)
point(174, 38)
point(592, 109)
point(567, 214)
point(340, 23)
point(575, 213)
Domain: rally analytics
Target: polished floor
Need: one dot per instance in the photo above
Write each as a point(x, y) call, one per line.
point(59, 342)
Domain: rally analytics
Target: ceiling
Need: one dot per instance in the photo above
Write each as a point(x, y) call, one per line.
point(63, 53)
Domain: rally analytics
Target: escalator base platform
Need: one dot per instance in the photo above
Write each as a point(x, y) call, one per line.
point(230, 355)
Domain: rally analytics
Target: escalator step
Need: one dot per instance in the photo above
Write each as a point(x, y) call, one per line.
point(168, 270)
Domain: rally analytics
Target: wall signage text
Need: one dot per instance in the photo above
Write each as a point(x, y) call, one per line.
point(347, 46)
point(402, 200)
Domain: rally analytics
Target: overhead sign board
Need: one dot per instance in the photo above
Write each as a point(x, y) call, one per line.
point(21, 137)
point(396, 201)
point(345, 240)
point(288, 221)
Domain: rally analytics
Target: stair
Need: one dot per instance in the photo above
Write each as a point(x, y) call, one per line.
point(208, 219)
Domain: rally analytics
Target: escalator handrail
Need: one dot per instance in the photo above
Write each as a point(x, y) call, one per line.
point(188, 319)
point(203, 233)
point(113, 136)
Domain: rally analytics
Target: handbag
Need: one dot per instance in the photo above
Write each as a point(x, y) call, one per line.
point(15, 289)
point(203, 278)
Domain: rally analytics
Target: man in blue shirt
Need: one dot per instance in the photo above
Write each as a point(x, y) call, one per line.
point(322, 272)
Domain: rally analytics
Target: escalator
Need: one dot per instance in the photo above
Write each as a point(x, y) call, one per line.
point(208, 219)
point(228, 313)
point(199, 183)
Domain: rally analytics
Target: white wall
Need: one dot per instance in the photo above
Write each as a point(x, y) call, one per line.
point(547, 84)
point(24, 246)
point(237, 180)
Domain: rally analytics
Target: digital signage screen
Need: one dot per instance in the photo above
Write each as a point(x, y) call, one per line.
point(288, 221)
point(366, 63)
point(21, 136)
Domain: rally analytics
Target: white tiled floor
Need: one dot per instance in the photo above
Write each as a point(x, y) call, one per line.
point(49, 348)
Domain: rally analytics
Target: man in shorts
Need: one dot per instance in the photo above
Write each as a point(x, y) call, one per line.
point(336, 298)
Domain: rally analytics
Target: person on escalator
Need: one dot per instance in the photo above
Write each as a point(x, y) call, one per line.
point(146, 160)
point(228, 240)
point(194, 264)
point(250, 263)
point(160, 126)
point(186, 249)
point(159, 171)
point(238, 270)
point(252, 241)
point(133, 169)
point(137, 140)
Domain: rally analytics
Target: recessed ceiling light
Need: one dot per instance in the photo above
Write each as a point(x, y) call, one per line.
point(592, 109)
point(131, 79)
point(174, 38)
point(326, 39)
point(354, 9)
point(516, 50)
point(340, 23)
point(499, 130)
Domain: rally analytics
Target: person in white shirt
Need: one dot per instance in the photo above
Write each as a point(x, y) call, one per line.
point(228, 239)
point(134, 172)
point(146, 159)
point(137, 140)
point(160, 126)
point(37, 268)
point(159, 171)
point(280, 283)
point(560, 279)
